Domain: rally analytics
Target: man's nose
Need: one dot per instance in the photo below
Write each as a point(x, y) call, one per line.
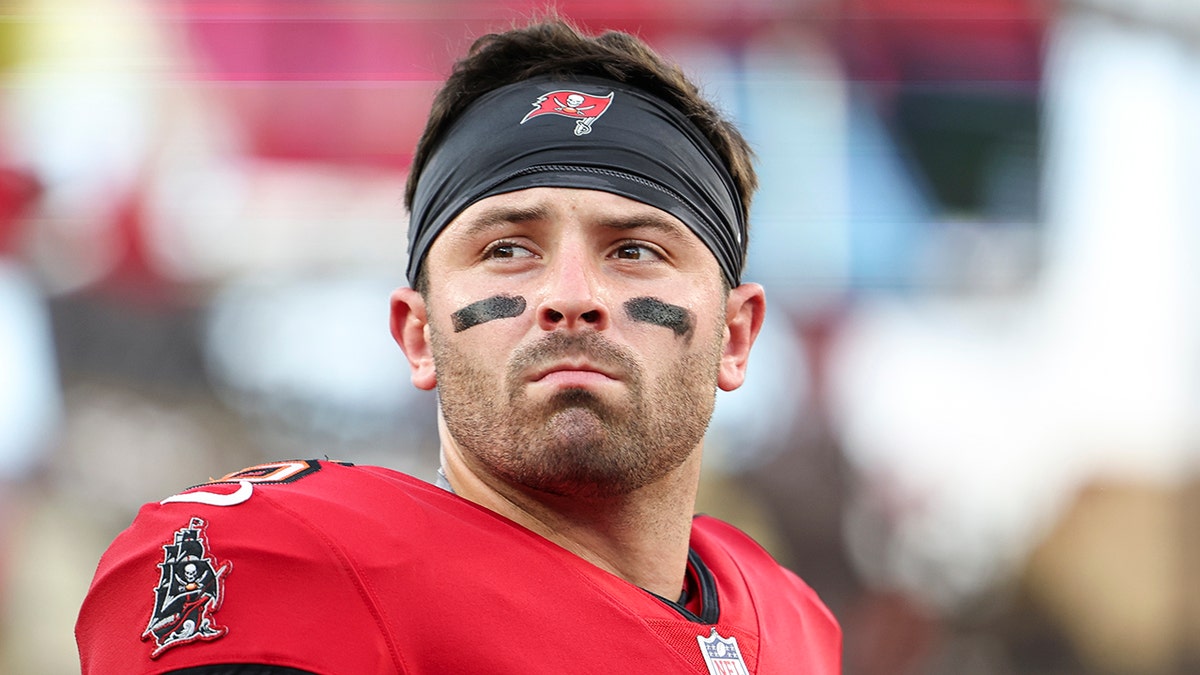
point(572, 298)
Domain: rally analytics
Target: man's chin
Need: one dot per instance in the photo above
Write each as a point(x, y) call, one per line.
point(577, 425)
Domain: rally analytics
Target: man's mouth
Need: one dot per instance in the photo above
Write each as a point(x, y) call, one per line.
point(573, 372)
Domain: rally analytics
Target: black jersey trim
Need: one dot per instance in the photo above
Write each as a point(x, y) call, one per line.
point(710, 605)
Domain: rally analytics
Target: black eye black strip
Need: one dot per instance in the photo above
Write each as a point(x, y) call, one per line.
point(659, 313)
point(488, 309)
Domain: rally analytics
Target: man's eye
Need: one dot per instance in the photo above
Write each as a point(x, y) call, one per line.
point(635, 252)
point(508, 250)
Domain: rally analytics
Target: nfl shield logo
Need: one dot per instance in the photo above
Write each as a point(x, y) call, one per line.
point(722, 655)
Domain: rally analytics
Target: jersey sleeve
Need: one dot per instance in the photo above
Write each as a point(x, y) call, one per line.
point(239, 571)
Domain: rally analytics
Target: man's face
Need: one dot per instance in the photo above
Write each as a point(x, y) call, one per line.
point(576, 337)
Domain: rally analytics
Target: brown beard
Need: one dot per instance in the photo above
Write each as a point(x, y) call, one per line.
point(576, 443)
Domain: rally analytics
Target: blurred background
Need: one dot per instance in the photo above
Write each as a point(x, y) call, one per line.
point(970, 424)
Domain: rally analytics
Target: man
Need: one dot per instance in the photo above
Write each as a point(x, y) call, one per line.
point(577, 237)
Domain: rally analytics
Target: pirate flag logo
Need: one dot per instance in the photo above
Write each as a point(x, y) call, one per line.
point(583, 108)
point(189, 591)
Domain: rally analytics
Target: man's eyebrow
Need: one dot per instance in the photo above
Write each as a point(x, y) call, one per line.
point(494, 216)
point(649, 220)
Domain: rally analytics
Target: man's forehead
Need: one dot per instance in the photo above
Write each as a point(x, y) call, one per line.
point(550, 204)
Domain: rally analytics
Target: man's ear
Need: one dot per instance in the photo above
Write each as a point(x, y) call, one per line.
point(745, 310)
point(410, 329)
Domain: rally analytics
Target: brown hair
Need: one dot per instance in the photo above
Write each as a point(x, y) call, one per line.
point(552, 46)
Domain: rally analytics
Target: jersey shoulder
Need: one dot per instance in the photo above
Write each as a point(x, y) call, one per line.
point(787, 609)
point(322, 494)
point(725, 543)
point(264, 555)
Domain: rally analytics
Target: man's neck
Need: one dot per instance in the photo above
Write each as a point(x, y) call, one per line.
point(641, 537)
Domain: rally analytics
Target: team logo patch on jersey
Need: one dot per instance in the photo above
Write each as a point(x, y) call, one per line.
point(190, 588)
point(722, 655)
point(583, 108)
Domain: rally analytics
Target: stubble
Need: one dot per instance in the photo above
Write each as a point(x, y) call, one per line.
point(577, 443)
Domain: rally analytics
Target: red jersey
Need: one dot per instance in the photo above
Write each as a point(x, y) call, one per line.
point(332, 568)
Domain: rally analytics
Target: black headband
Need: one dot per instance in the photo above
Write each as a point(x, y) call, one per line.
point(616, 139)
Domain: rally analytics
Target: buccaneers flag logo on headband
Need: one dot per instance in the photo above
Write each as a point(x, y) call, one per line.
point(583, 108)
